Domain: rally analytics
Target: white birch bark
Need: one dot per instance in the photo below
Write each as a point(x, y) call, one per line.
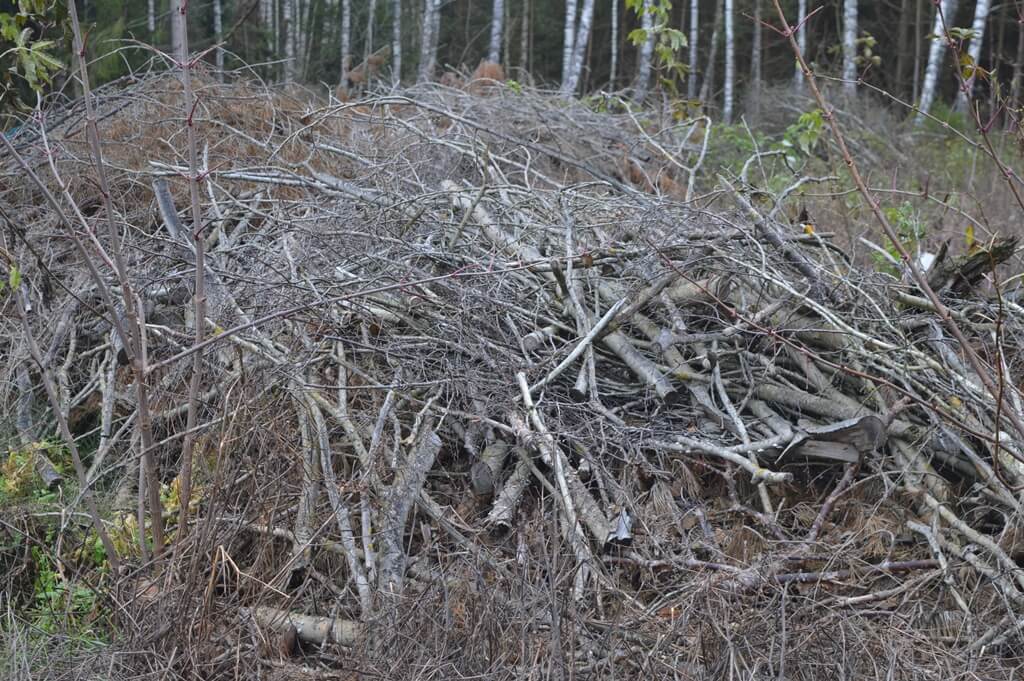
point(428, 44)
point(936, 53)
point(218, 33)
point(614, 70)
point(151, 16)
point(497, 19)
point(288, 19)
point(569, 37)
point(691, 80)
point(981, 11)
point(730, 62)
point(850, 46)
point(396, 41)
point(801, 41)
point(524, 39)
point(371, 16)
point(346, 40)
point(579, 55)
point(755, 59)
point(646, 52)
point(176, 27)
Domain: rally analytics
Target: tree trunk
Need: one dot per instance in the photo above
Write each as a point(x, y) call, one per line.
point(730, 62)
point(614, 69)
point(368, 48)
point(755, 62)
point(497, 18)
point(709, 72)
point(569, 37)
point(917, 51)
point(936, 53)
point(901, 51)
point(1018, 71)
point(981, 11)
point(346, 40)
point(850, 46)
point(646, 52)
point(396, 41)
point(428, 46)
point(287, 19)
point(218, 35)
point(691, 80)
point(151, 16)
point(580, 43)
point(176, 27)
point(524, 40)
point(801, 41)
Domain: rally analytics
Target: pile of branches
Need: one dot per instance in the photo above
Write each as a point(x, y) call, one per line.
point(487, 389)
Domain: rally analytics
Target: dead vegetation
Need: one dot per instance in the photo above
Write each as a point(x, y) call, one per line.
point(484, 396)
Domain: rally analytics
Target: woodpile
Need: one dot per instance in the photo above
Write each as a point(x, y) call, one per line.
point(474, 399)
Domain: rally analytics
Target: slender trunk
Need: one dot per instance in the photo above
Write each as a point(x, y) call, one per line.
point(580, 45)
point(646, 51)
point(801, 41)
point(497, 17)
point(396, 41)
point(176, 30)
point(850, 46)
point(1018, 67)
point(218, 34)
point(755, 61)
point(151, 16)
point(917, 51)
point(346, 40)
point(506, 36)
point(368, 48)
point(936, 54)
point(730, 62)
point(524, 39)
point(981, 11)
point(289, 39)
point(428, 46)
point(569, 37)
point(709, 73)
point(901, 51)
point(614, 69)
point(691, 81)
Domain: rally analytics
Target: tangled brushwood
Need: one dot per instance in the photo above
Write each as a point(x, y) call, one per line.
point(488, 391)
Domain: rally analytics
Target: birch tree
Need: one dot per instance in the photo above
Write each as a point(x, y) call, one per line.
point(936, 53)
point(218, 34)
point(371, 15)
point(569, 37)
point(176, 27)
point(691, 80)
point(396, 41)
point(801, 41)
point(346, 40)
point(151, 16)
point(497, 20)
point(287, 19)
point(709, 72)
point(981, 11)
point(428, 45)
point(850, 46)
point(646, 52)
point(614, 69)
point(730, 62)
point(579, 52)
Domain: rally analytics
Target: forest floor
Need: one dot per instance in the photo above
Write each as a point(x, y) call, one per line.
point(499, 385)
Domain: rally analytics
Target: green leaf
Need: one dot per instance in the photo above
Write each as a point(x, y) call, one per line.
point(637, 36)
point(15, 278)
